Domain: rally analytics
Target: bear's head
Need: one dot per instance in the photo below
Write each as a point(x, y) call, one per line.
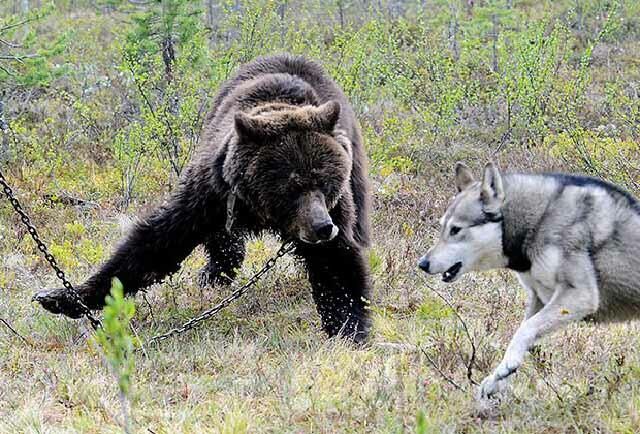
point(291, 166)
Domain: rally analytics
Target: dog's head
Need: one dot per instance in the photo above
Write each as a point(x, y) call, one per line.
point(471, 228)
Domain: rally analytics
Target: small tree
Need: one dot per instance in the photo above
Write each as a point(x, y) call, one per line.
point(117, 344)
point(165, 56)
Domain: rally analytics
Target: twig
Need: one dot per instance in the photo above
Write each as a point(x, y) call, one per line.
point(140, 341)
point(3, 321)
point(437, 368)
point(18, 24)
point(146, 300)
point(472, 358)
point(18, 58)
point(10, 44)
point(80, 336)
point(553, 388)
point(539, 364)
point(2, 68)
point(503, 140)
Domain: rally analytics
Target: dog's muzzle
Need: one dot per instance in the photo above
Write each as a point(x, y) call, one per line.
point(452, 272)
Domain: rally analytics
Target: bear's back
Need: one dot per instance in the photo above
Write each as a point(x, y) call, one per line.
point(307, 79)
point(309, 71)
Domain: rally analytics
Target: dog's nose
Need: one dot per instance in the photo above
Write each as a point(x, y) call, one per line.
point(324, 230)
point(424, 264)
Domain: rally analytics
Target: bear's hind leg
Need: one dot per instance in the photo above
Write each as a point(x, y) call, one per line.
point(226, 252)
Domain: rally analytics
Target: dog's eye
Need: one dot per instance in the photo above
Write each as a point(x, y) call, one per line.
point(454, 230)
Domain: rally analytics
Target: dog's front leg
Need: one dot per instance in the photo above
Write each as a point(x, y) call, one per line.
point(571, 302)
point(533, 304)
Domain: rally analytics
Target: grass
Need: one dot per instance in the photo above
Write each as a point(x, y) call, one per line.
point(424, 84)
point(263, 365)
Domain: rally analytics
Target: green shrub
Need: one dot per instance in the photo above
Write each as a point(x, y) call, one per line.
point(117, 343)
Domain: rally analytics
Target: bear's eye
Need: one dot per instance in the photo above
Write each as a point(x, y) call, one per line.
point(454, 230)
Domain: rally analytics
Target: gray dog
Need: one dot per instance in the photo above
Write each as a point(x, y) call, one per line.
point(573, 241)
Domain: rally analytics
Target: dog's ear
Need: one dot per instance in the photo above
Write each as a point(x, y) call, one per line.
point(464, 177)
point(491, 190)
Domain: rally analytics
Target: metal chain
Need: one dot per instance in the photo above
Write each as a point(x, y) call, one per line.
point(286, 247)
point(95, 323)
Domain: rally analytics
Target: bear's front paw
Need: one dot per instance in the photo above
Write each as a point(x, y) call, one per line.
point(360, 336)
point(353, 328)
point(58, 301)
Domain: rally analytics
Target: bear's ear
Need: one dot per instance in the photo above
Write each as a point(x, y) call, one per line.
point(464, 176)
point(247, 126)
point(326, 116)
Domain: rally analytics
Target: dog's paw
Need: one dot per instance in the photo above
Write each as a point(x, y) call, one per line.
point(491, 388)
point(58, 301)
point(487, 389)
point(487, 408)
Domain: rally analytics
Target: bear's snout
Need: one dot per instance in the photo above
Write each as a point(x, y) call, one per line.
point(325, 230)
point(314, 224)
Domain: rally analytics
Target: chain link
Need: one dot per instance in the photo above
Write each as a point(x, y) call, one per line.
point(286, 247)
point(95, 323)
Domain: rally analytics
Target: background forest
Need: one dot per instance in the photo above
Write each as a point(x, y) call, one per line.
point(101, 106)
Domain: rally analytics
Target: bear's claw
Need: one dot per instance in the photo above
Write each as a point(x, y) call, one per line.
point(58, 301)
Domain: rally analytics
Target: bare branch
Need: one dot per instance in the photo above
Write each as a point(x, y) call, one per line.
point(435, 366)
point(10, 44)
point(18, 58)
point(472, 358)
point(6, 70)
point(22, 338)
point(18, 24)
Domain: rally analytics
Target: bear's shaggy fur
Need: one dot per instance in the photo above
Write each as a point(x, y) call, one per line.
point(283, 140)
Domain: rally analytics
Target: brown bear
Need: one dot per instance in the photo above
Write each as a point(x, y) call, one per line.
point(283, 145)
